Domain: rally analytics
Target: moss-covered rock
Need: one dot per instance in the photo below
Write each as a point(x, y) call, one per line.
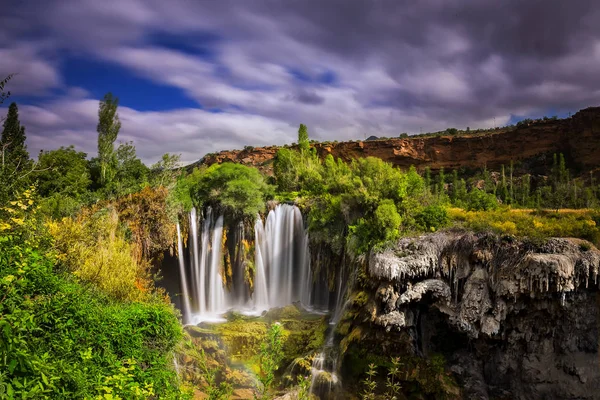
point(242, 337)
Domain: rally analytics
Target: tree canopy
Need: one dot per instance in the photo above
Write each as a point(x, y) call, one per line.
point(236, 189)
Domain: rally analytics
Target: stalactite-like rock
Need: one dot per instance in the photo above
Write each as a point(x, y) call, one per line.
point(529, 311)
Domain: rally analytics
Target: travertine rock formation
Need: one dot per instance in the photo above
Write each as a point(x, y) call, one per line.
point(515, 319)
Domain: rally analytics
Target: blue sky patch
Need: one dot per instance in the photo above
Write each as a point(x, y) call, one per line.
point(133, 91)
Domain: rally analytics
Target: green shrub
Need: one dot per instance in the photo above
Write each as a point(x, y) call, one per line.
point(478, 200)
point(432, 218)
point(381, 228)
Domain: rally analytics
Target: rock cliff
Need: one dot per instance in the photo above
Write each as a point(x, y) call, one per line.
point(578, 138)
point(513, 319)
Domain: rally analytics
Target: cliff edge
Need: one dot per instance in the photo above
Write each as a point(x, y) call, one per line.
point(577, 137)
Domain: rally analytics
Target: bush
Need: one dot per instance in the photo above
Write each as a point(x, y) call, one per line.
point(94, 250)
point(387, 221)
point(432, 218)
point(59, 205)
point(478, 200)
point(374, 232)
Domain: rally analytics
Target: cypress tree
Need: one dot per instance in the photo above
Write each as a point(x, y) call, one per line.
point(12, 142)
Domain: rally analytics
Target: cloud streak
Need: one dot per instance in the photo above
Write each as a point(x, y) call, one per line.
point(346, 69)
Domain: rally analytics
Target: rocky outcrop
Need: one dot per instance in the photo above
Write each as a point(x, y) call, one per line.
point(514, 319)
point(578, 138)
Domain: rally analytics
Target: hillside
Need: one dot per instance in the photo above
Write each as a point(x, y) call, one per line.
point(577, 137)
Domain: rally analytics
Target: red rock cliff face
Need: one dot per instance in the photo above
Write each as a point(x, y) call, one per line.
point(578, 138)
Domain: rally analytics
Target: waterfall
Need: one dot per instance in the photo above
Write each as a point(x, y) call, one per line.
point(324, 369)
point(216, 292)
point(261, 294)
point(282, 273)
point(205, 240)
point(285, 256)
point(185, 304)
point(196, 275)
point(283, 244)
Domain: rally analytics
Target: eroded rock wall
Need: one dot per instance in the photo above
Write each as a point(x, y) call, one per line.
point(578, 138)
point(514, 319)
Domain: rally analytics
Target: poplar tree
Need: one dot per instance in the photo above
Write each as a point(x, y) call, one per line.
point(108, 130)
point(303, 141)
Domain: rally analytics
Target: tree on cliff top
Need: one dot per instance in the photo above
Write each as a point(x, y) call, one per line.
point(303, 142)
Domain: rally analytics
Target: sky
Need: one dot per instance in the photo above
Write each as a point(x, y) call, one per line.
point(195, 77)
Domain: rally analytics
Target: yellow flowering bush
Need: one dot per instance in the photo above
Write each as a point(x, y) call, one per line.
point(93, 248)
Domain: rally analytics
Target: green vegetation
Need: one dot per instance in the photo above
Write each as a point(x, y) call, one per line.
point(108, 130)
point(271, 354)
point(369, 383)
point(234, 189)
point(62, 338)
point(80, 316)
point(360, 205)
point(15, 165)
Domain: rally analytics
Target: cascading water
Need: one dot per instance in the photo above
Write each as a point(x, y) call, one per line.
point(186, 308)
point(282, 275)
point(324, 369)
point(285, 256)
point(216, 300)
point(261, 293)
point(281, 265)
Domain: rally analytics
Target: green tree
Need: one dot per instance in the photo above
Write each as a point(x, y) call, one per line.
point(108, 130)
point(130, 173)
point(15, 165)
point(432, 217)
point(376, 229)
point(12, 142)
point(63, 180)
point(303, 141)
point(64, 171)
point(286, 167)
point(441, 185)
point(235, 189)
point(478, 200)
point(428, 179)
point(387, 221)
point(557, 194)
point(165, 171)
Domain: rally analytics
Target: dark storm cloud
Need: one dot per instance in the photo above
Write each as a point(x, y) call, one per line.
point(307, 97)
point(342, 67)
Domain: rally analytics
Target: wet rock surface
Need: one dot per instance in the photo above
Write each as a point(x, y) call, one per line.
point(513, 319)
